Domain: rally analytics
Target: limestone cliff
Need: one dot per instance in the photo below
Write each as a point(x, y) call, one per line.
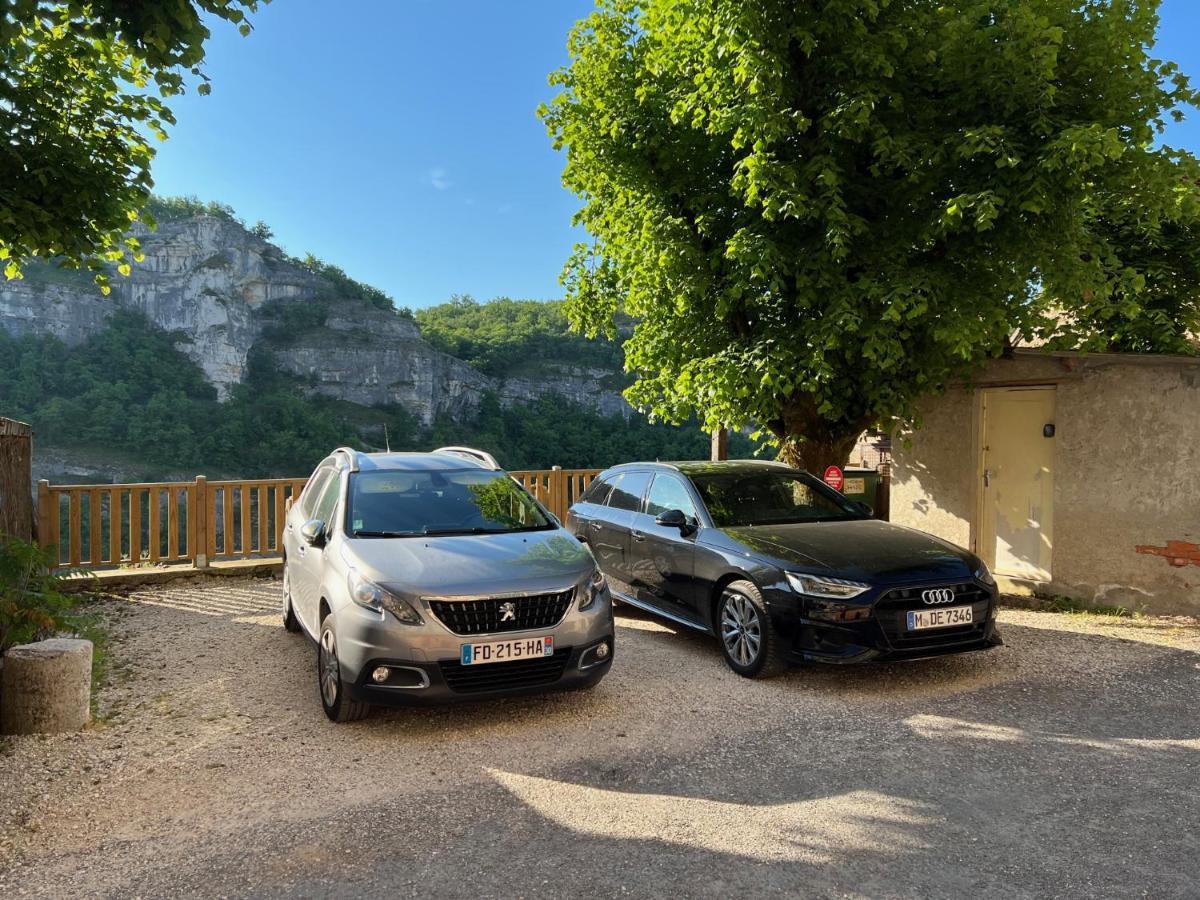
point(216, 286)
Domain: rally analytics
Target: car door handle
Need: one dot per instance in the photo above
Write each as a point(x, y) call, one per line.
point(637, 535)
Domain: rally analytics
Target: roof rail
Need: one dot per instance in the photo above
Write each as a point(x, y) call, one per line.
point(351, 454)
point(471, 453)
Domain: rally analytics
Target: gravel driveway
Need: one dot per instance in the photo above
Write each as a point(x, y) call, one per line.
point(1064, 764)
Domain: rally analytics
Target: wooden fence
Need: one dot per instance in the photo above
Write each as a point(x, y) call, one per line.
point(112, 526)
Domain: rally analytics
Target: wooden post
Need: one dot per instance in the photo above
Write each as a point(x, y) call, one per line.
point(16, 479)
point(43, 513)
point(558, 492)
point(883, 493)
point(199, 552)
point(720, 444)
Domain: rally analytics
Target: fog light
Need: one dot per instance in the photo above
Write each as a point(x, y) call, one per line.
point(380, 675)
point(602, 651)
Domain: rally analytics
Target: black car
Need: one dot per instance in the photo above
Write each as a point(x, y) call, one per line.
point(779, 565)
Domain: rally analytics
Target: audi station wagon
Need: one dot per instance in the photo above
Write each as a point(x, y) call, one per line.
point(780, 567)
point(433, 577)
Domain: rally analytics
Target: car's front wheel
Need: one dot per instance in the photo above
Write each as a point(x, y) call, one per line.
point(337, 704)
point(748, 639)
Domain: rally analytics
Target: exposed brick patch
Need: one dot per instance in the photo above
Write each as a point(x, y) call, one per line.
point(1177, 553)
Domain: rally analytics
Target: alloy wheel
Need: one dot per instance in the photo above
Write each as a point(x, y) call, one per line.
point(741, 629)
point(327, 666)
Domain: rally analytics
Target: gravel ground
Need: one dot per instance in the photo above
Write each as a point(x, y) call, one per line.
point(1063, 764)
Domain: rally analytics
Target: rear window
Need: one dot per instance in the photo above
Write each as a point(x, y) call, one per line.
point(628, 489)
point(406, 504)
point(597, 492)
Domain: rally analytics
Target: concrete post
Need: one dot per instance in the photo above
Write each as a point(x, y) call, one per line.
point(46, 687)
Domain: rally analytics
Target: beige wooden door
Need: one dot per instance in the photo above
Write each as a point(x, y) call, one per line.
point(1016, 528)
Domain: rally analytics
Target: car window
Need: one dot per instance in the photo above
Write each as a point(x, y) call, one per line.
point(597, 492)
point(329, 495)
point(627, 491)
point(308, 500)
point(468, 501)
point(668, 492)
point(771, 497)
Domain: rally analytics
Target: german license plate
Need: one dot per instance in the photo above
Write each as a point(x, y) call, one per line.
point(939, 618)
point(507, 651)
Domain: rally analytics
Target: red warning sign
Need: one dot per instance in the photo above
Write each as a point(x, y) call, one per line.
point(834, 478)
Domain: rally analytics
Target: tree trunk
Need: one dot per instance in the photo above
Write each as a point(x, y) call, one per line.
point(809, 441)
point(16, 479)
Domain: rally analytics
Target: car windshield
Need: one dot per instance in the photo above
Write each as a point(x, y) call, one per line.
point(408, 504)
point(771, 498)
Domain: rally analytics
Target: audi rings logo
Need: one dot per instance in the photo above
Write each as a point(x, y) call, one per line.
point(938, 595)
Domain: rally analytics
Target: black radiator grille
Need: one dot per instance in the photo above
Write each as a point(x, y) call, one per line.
point(891, 611)
point(495, 615)
point(506, 675)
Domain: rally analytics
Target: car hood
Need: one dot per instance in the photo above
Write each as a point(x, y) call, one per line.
point(533, 561)
point(866, 550)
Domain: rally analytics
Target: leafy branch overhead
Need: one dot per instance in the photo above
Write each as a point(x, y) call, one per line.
point(84, 88)
point(818, 211)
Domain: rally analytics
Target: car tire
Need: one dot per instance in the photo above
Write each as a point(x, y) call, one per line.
point(749, 641)
point(335, 698)
point(290, 622)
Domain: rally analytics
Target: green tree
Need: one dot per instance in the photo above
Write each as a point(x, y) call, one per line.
point(83, 88)
point(819, 210)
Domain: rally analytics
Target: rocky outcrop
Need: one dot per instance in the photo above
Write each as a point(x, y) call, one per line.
point(210, 282)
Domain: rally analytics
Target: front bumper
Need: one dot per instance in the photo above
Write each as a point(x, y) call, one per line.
point(882, 635)
point(446, 681)
point(427, 657)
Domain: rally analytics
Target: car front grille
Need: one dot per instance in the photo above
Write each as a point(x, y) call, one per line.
point(491, 615)
point(506, 675)
point(892, 608)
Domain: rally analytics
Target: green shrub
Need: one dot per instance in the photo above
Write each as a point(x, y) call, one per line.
point(31, 606)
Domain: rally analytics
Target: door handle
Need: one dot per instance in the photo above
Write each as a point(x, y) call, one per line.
point(595, 526)
point(987, 477)
point(637, 535)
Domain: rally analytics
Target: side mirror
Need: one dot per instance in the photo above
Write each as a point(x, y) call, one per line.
point(674, 518)
point(313, 533)
point(865, 508)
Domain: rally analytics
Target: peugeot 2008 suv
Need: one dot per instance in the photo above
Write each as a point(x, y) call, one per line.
point(432, 577)
point(779, 566)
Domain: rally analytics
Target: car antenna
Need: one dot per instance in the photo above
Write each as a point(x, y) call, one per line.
point(386, 443)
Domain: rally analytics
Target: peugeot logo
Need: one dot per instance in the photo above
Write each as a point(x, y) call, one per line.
point(938, 595)
point(508, 612)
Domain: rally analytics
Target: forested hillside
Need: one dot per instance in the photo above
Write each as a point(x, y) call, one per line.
point(129, 393)
point(221, 354)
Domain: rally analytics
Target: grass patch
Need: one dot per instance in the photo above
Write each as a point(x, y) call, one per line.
point(1059, 604)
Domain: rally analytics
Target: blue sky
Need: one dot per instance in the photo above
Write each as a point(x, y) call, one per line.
point(398, 138)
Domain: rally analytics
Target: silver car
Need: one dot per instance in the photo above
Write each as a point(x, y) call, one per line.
point(434, 577)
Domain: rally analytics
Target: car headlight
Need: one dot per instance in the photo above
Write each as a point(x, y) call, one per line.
point(595, 586)
point(371, 596)
point(984, 574)
point(821, 586)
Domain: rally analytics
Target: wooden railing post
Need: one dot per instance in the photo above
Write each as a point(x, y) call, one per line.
point(558, 492)
point(199, 552)
point(43, 513)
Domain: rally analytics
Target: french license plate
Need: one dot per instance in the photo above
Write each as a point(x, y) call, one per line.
point(939, 618)
point(507, 651)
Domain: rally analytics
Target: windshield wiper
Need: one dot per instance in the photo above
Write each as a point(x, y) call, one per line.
point(386, 534)
point(475, 529)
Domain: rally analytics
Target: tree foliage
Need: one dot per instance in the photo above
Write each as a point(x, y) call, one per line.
point(84, 86)
point(503, 335)
point(819, 210)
